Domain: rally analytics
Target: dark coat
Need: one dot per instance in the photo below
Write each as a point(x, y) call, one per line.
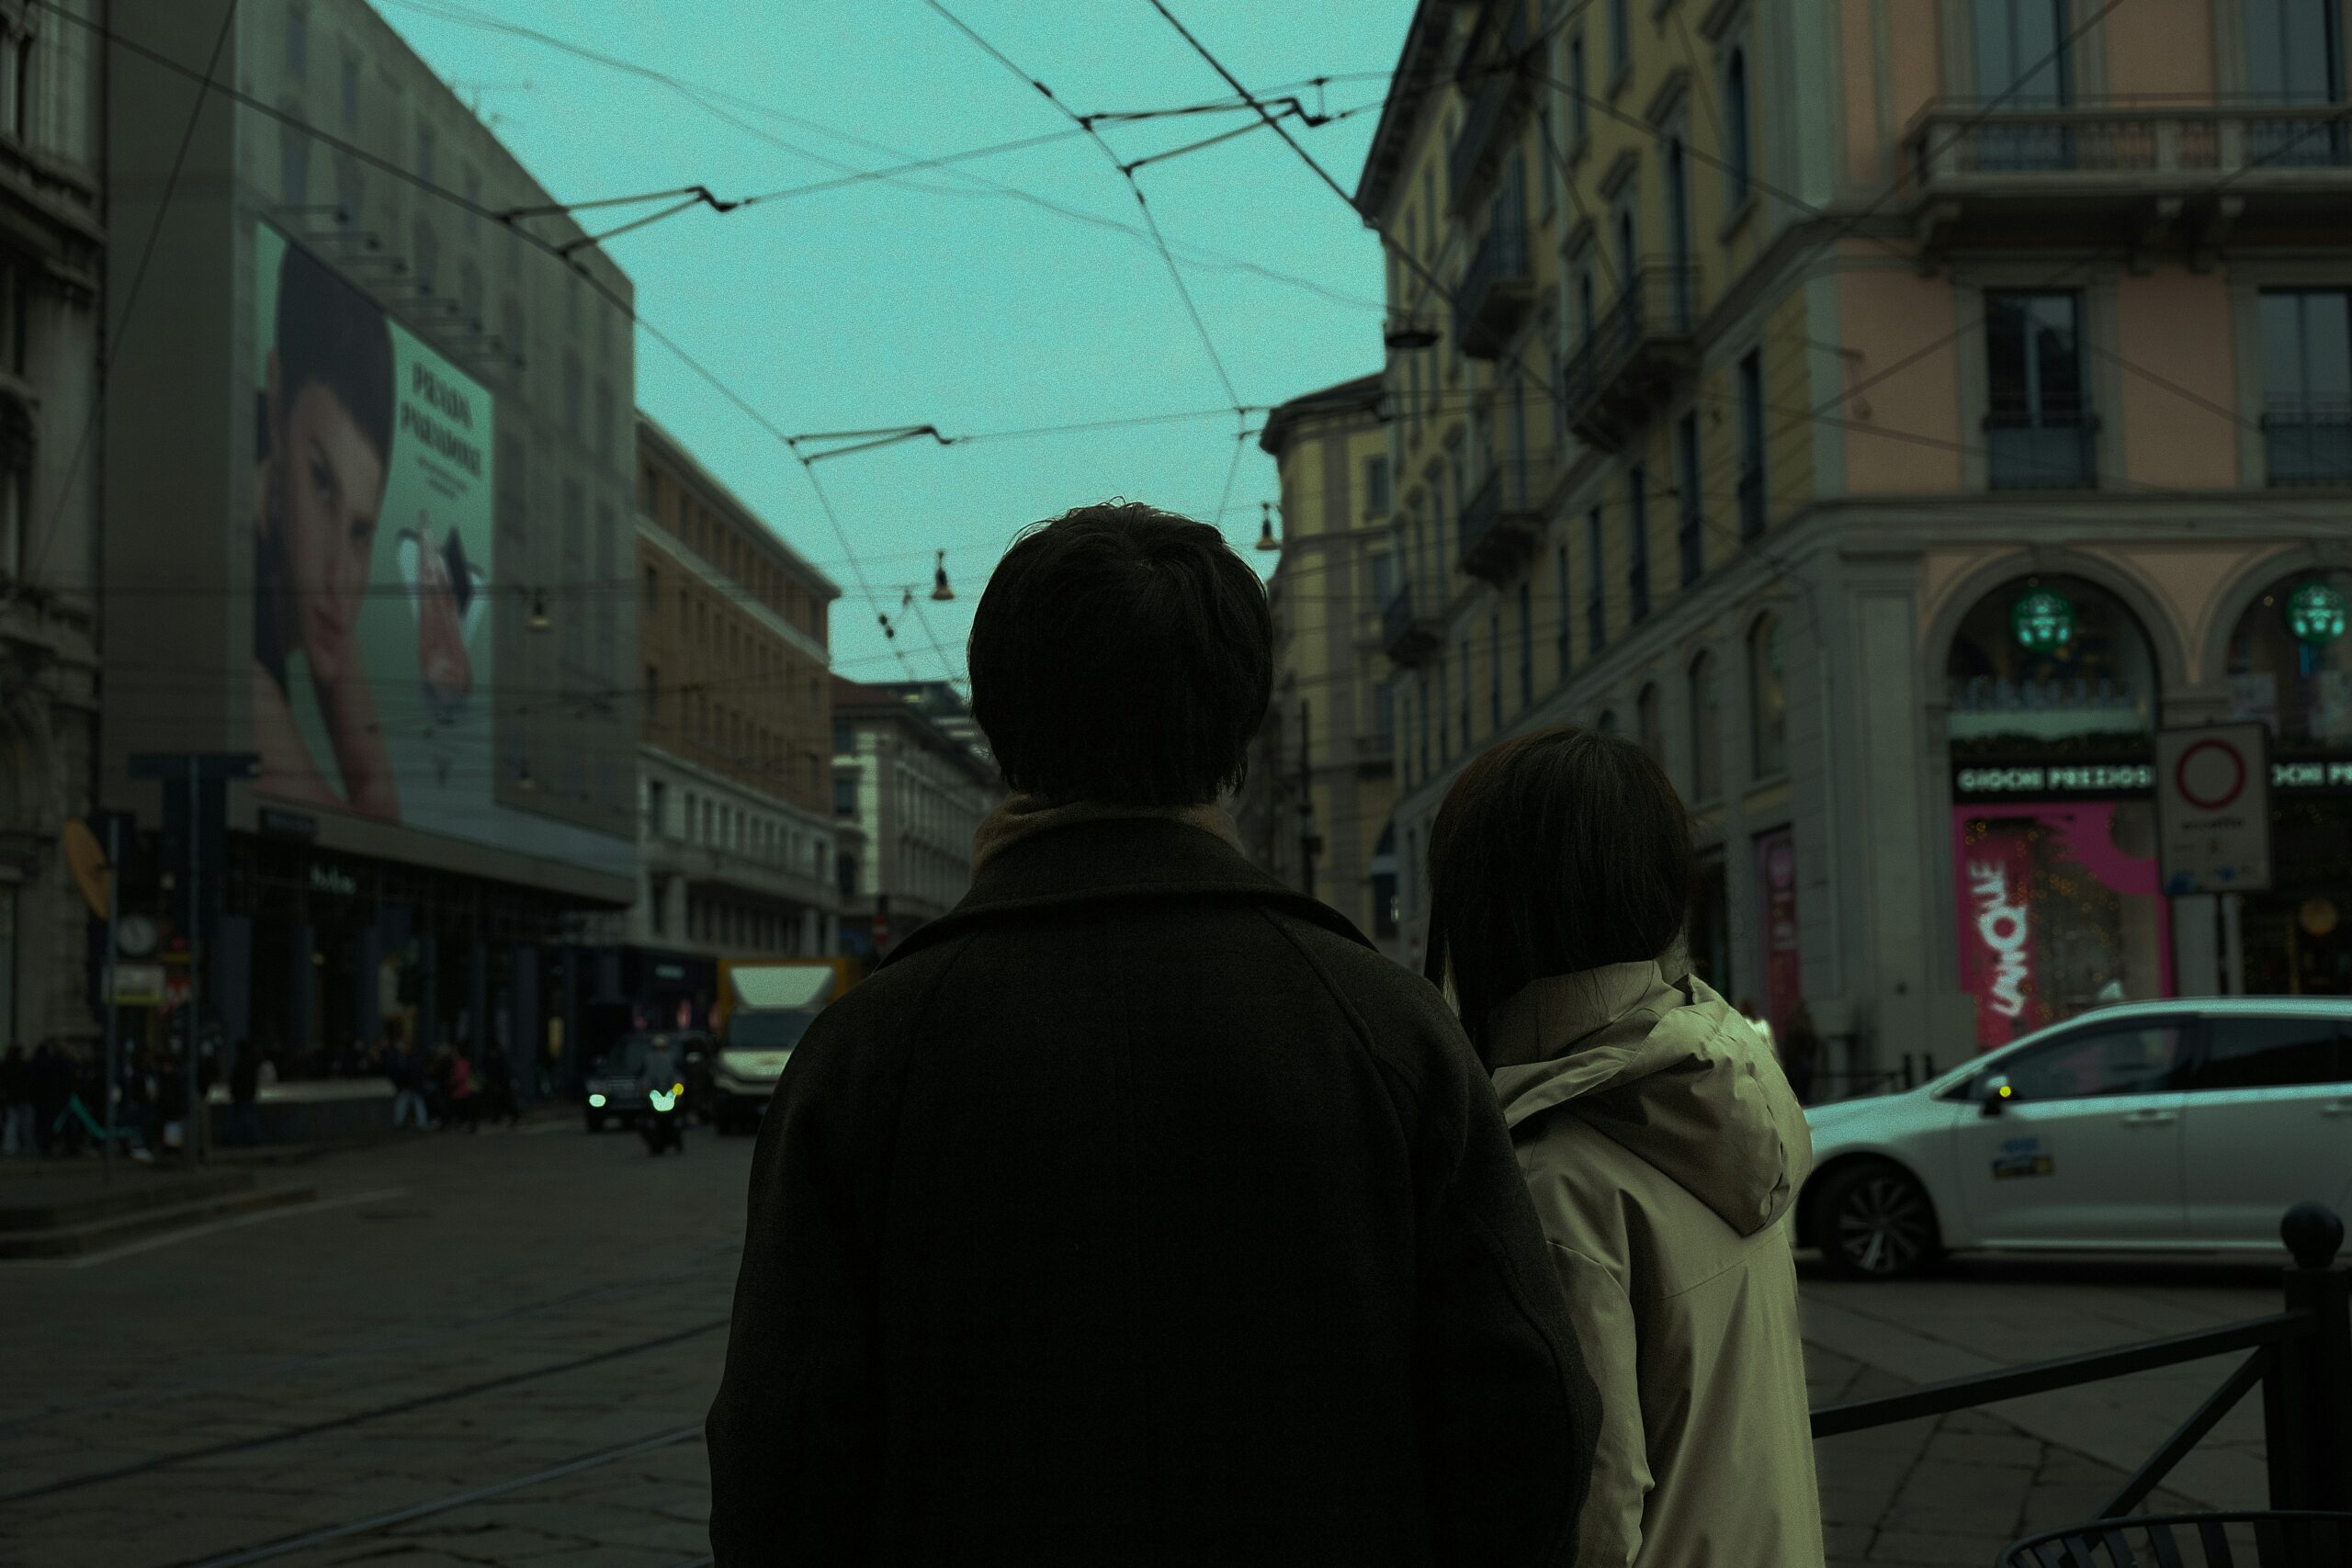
point(1138, 1213)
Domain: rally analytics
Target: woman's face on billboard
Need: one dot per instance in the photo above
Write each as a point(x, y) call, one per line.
point(332, 486)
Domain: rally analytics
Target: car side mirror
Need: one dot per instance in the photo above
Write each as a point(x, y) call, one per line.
point(1998, 1092)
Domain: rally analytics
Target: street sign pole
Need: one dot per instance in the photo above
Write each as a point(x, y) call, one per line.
point(191, 1130)
point(198, 768)
point(114, 949)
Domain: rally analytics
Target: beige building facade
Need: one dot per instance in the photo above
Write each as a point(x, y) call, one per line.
point(1892, 414)
point(1316, 807)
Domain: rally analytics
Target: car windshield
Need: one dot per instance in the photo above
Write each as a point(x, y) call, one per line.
point(767, 1031)
point(626, 1058)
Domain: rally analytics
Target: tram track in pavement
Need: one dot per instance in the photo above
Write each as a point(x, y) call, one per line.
point(386, 1345)
point(362, 1417)
point(328, 1535)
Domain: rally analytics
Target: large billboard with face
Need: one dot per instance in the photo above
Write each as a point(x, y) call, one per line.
point(376, 577)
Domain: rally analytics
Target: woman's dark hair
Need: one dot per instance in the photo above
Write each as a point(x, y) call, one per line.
point(330, 334)
point(1125, 655)
point(1553, 853)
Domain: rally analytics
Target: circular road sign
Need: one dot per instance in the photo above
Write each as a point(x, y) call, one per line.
point(2209, 775)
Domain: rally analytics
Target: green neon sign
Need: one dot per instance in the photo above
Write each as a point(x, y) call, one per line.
point(2041, 620)
point(2315, 613)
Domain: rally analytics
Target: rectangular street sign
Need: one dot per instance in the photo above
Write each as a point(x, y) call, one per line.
point(2213, 809)
point(138, 985)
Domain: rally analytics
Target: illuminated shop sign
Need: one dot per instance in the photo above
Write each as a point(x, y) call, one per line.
point(2111, 779)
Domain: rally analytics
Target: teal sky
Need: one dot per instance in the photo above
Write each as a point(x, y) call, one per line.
point(933, 299)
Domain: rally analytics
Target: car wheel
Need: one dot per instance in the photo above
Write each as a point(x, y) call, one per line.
point(1875, 1223)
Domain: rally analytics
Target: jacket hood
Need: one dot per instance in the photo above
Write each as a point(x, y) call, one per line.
point(1667, 1068)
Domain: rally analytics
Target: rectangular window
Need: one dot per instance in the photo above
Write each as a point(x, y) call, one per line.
point(1579, 110)
point(1596, 606)
point(2037, 421)
point(1738, 150)
point(297, 43)
point(1560, 633)
point(1691, 532)
point(1637, 542)
point(845, 797)
point(2307, 385)
point(652, 591)
point(1444, 699)
point(294, 166)
point(1751, 446)
point(1376, 487)
point(657, 806)
point(424, 153)
point(1465, 685)
point(350, 93)
point(1620, 38)
point(1383, 717)
point(2024, 60)
point(1495, 670)
point(1384, 579)
point(652, 694)
point(1526, 643)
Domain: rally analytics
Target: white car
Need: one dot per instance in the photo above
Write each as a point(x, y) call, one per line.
point(2189, 1125)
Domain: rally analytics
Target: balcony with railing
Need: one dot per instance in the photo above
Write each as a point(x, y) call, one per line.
point(1497, 84)
point(1500, 520)
point(1497, 288)
point(2126, 173)
point(1408, 635)
point(1641, 348)
point(2041, 449)
point(2308, 442)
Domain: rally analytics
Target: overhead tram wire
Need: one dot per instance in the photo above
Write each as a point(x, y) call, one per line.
point(1192, 309)
point(120, 328)
point(466, 203)
point(708, 100)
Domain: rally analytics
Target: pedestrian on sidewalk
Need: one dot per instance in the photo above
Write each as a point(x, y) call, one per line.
point(52, 1076)
point(407, 1079)
point(1138, 1210)
point(16, 1104)
point(244, 1097)
point(498, 1089)
point(1660, 1140)
point(465, 1094)
point(1801, 1053)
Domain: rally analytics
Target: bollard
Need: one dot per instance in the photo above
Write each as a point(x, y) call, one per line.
point(2309, 1388)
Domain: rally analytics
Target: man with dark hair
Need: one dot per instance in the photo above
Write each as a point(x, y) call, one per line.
point(1136, 1211)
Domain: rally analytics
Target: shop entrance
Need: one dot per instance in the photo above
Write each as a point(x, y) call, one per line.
point(2054, 699)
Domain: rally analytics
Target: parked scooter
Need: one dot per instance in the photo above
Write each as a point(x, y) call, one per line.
point(664, 1122)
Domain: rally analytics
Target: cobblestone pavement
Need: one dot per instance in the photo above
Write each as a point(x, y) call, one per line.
point(499, 1348)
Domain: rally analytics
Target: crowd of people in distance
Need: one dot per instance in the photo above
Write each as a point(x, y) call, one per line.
point(52, 1098)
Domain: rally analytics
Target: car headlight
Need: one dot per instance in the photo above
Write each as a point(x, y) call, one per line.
point(595, 1101)
point(663, 1101)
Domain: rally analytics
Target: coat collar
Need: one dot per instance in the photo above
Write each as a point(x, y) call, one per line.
point(1115, 861)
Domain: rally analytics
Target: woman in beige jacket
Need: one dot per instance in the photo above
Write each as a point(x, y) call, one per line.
point(1661, 1145)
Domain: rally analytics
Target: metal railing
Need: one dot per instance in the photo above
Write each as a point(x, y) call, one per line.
point(2308, 442)
point(1961, 141)
point(1404, 635)
point(1499, 263)
point(2049, 450)
point(2301, 1359)
point(1653, 309)
point(1511, 494)
point(1498, 96)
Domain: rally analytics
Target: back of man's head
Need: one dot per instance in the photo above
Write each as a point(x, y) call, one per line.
point(1121, 655)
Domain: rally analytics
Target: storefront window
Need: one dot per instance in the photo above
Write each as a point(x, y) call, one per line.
point(2046, 664)
point(1768, 701)
point(2052, 692)
point(2059, 911)
point(2290, 668)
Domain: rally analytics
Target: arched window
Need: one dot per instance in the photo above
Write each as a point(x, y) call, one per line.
point(1738, 157)
point(1650, 728)
point(1607, 722)
point(2290, 661)
point(2051, 662)
point(1706, 731)
point(1768, 702)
